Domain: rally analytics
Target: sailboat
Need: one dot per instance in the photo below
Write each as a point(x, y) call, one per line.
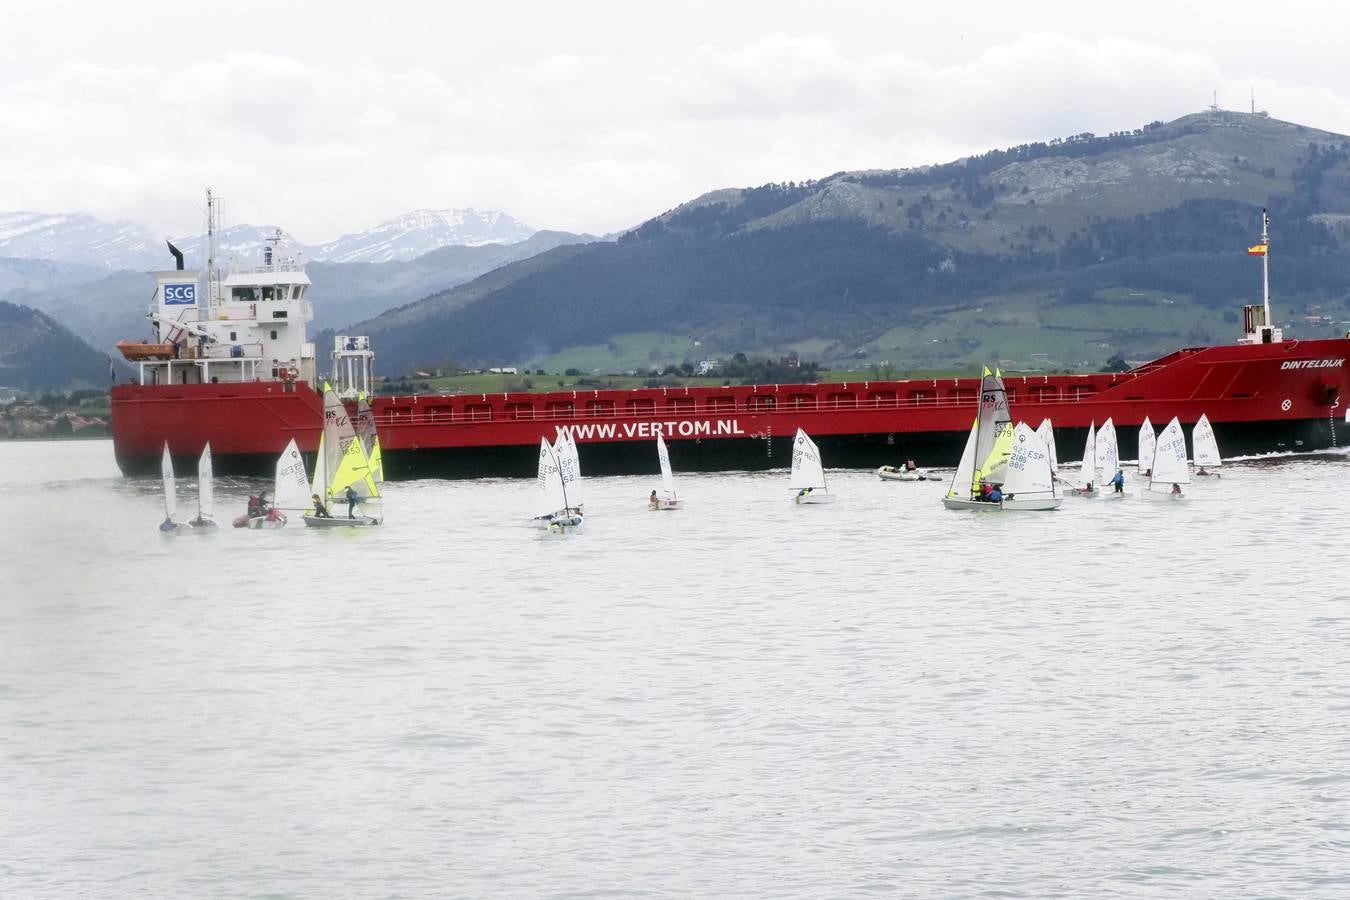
point(290, 490)
point(1046, 432)
point(552, 508)
point(808, 472)
point(1206, 448)
point(1170, 469)
point(666, 499)
point(1030, 483)
point(370, 438)
point(1108, 456)
point(1148, 442)
point(206, 494)
point(1087, 469)
point(569, 462)
point(169, 526)
point(984, 461)
point(341, 465)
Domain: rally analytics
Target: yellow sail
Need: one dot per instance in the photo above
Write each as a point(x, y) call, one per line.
point(353, 472)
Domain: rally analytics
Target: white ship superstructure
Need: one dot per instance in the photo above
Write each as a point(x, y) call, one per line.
point(216, 325)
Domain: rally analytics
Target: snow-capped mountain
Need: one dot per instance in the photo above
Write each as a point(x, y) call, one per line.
point(78, 238)
point(85, 240)
point(424, 230)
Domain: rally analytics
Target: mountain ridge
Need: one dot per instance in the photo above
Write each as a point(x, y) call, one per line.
point(1021, 239)
point(82, 239)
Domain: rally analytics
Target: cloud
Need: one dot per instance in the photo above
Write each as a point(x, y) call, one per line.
point(582, 141)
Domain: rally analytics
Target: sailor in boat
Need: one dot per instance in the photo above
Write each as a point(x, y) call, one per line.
point(652, 502)
point(1203, 471)
point(995, 495)
point(320, 511)
point(1118, 482)
point(803, 492)
point(1176, 489)
point(910, 466)
point(352, 500)
point(257, 506)
point(1085, 489)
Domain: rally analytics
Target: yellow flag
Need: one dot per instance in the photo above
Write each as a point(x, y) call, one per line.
point(1258, 250)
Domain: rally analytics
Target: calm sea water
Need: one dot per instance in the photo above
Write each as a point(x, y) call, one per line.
point(739, 699)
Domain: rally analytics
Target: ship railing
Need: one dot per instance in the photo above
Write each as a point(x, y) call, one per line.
point(433, 410)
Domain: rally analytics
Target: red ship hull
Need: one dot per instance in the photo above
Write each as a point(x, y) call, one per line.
point(1259, 398)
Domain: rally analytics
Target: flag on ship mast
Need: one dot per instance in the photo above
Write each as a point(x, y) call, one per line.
point(1258, 250)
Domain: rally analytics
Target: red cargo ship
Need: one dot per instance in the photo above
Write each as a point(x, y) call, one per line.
point(241, 375)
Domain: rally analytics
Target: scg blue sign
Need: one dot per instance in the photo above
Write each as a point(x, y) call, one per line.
point(180, 294)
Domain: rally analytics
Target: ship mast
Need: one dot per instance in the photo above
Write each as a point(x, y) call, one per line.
point(212, 275)
point(1265, 265)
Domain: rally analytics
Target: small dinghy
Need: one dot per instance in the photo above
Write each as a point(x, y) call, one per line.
point(1207, 455)
point(169, 526)
point(206, 494)
point(808, 472)
point(551, 505)
point(902, 473)
point(1170, 469)
point(666, 498)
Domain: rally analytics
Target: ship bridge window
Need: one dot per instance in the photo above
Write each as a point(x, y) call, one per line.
point(280, 314)
point(720, 404)
point(760, 401)
point(642, 406)
point(680, 406)
point(599, 407)
point(557, 408)
point(961, 395)
point(267, 292)
point(802, 401)
point(242, 295)
point(520, 410)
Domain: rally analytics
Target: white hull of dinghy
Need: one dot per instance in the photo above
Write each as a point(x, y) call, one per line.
point(339, 522)
point(959, 503)
point(813, 499)
point(1165, 496)
point(1030, 504)
point(663, 504)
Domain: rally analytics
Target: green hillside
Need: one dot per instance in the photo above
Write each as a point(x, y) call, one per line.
point(1057, 254)
point(38, 354)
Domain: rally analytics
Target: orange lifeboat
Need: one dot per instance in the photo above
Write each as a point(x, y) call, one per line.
point(136, 352)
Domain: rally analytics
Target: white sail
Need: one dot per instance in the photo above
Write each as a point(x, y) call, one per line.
point(1046, 432)
point(667, 477)
point(807, 469)
point(993, 436)
point(550, 496)
point(1206, 447)
point(1106, 444)
point(1029, 472)
point(1148, 442)
point(1087, 470)
point(1169, 458)
point(170, 486)
point(569, 462)
point(206, 493)
point(965, 469)
point(291, 489)
point(1108, 451)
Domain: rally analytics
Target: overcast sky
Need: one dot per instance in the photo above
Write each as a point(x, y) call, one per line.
point(592, 115)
